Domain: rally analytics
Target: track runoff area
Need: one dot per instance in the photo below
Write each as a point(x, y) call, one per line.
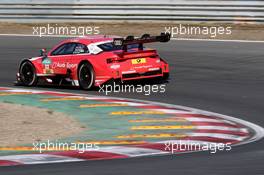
point(124, 128)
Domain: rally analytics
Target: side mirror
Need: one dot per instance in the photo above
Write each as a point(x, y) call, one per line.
point(43, 52)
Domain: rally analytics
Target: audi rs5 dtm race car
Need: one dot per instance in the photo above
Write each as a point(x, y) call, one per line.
point(95, 60)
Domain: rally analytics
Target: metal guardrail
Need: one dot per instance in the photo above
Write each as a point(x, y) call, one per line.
point(83, 10)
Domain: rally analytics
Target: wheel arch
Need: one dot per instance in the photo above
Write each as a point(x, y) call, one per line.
point(24, 60)
point(34, 69)
point(82, 62)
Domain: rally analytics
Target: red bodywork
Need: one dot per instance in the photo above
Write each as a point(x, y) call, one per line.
point(131, 64)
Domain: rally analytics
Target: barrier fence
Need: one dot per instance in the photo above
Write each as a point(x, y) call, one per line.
point(132, 10)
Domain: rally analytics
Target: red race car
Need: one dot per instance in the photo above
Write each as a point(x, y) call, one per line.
point(92, 61)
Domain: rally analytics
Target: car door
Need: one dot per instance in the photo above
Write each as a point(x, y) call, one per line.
point(80, 53)
point(60, 57)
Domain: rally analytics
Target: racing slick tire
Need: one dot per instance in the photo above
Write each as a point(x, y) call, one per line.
point(86, 76)
point(166, 76)
point(27, 72)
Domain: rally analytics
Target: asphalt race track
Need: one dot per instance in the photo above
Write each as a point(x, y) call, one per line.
point(222, 77)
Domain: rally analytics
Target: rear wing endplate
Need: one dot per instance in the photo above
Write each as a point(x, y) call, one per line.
point(146, 38)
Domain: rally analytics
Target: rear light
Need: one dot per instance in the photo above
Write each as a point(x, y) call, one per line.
point(109, 60)
point(153, 56)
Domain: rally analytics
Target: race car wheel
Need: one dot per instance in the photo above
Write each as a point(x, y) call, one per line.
point(27, 73)
point(86, 76)
point(166, 76)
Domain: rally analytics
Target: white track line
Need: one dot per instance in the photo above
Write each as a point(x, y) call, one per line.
point(172, 111)
point(199, 119)
point(222, 128)
point(131, 151)
point(218, 136)
point(175, 39)
point(39, 158)
point(30, 35)
point(217, 40)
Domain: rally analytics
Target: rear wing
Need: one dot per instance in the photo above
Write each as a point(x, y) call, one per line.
point(146, 38)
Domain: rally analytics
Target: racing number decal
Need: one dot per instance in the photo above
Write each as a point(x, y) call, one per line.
point(139, 61)
point(47, 66)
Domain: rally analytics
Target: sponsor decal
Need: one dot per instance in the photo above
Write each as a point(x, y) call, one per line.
point(115, 66)
point(154, 68)
point(143, 67)
point(48, 71)
point(139, 61)
point(47, 61)
point(129, 72)
point(64, 65)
